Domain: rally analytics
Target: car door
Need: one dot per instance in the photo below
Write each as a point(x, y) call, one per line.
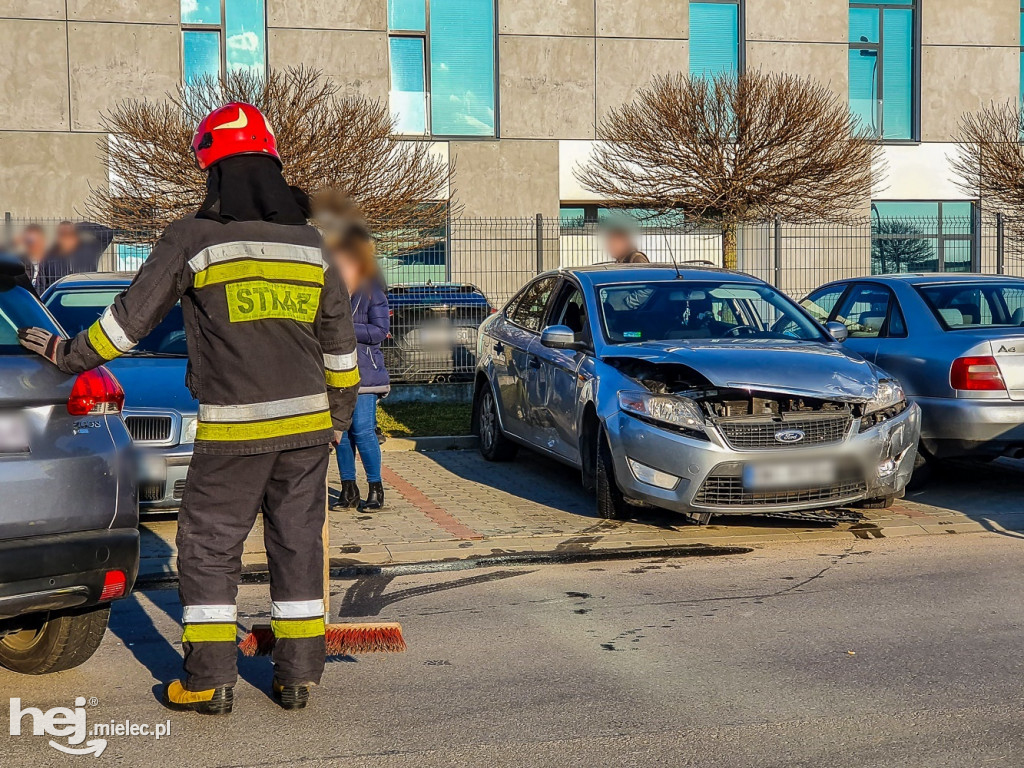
point(554, 390)
point(513, 363)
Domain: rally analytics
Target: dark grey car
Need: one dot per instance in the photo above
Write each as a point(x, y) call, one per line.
point(956, 344)
point(69, 540)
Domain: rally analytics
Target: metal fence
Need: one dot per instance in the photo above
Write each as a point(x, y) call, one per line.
point(441, 292)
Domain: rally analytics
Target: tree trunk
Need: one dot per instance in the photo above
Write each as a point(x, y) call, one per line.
point(730, 260)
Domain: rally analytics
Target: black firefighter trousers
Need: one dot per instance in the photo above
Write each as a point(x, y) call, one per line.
point(222, 497)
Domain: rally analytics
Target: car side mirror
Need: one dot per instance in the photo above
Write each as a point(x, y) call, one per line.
point(559, 337)
point(838, 331)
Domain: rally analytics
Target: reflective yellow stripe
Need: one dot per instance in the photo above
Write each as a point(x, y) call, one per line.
point(295, 630)
point(269, 270)
point(263, 430)
point(259, 300)
point(340, 379)
point(103, 346)
point(209, 633)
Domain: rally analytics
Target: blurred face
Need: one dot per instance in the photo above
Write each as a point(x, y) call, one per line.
point(347, 264)
point(619, 245)
point(67, 238)
point(33, 244)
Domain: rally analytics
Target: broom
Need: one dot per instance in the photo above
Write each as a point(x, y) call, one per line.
point(342, 639)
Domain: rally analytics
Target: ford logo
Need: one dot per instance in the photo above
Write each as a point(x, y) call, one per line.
point(789, 436)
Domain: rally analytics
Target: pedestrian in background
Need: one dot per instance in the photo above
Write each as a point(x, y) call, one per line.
point(348, 238)
point(77, 248)
point(31, 246)
point(618, 242)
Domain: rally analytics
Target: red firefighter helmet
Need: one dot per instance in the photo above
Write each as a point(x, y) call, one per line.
point(236, 128)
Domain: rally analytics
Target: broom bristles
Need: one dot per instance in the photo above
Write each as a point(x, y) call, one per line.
point(341, 639)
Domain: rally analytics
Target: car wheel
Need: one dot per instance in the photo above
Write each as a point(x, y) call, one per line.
point(883, 503)
point(494, 446)
point(611, 504)
point(55, 641)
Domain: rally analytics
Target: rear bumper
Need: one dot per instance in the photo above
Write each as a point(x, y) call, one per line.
point(63, 570)
point(964, 427)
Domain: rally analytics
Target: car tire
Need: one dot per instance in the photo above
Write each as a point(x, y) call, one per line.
point(611, 504)
point(55, 641)
point(494, 446)
point(883, 503)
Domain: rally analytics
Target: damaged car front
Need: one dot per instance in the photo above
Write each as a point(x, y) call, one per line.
point(717, 395)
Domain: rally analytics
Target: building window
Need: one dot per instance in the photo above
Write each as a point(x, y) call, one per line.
point(1021, 39)
point(219, 36)
point(442, 67)
point(922, 236)
point(883, 71)
point(716, 37)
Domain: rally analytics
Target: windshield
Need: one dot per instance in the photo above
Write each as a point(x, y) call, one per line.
point(976, 305)
point(77, 309)
point(670, 311)
point(19, 309)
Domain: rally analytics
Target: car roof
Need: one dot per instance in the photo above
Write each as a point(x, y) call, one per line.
point(929, 278)
point(95, 279)
point(605, 274)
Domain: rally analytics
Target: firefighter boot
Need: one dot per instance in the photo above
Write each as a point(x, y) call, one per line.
point(215, 701)
point(291, 696)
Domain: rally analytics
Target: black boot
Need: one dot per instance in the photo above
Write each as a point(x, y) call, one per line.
point(349, 496)
point(290, 696)
point(216, 701)
point(374, 497)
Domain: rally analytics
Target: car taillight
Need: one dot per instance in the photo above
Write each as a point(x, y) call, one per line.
point(977, 374)
point(114, 585)
point(95, 392)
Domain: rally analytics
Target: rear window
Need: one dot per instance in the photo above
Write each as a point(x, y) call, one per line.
point(76, 310)
point(19, 309)
point(960, 306)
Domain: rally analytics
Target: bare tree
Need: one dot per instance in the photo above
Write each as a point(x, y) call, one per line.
point(735, 149)
point(326, 140)
point(989, 161)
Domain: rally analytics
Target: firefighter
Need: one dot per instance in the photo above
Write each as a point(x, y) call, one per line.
point(272, 361)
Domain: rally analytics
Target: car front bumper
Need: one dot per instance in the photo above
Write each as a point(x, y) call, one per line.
point(162, 478)
point(45, 573)
point(700, 463)
point(952, 426)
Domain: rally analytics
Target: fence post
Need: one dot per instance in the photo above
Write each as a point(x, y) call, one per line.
point(1000, 245)
point(8, 226)
point(540, 243)
point(777, 241)
point(976, 238)
point(448, 245)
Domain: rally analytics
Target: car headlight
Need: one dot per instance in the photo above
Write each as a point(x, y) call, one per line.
point(678, 412)
point(889, 394)
point(188, 430)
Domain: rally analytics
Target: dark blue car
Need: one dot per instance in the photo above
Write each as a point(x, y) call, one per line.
point(159, 411)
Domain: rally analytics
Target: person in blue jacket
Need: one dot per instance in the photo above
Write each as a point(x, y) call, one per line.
point(353, 253)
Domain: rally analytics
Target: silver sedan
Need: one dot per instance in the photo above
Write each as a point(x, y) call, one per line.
point(956, 344)
point(701, 391)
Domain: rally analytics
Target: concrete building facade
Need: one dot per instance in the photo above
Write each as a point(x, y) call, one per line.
point(555, 67)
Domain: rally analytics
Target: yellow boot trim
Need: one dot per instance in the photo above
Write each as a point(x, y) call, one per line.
point(297, 629)
point(210, 633)
point(176, 694)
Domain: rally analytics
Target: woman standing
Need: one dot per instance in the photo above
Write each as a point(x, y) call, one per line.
point(353, 255)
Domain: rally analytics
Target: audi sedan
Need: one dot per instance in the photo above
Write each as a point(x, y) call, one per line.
point(956, 343)
point(702, 391)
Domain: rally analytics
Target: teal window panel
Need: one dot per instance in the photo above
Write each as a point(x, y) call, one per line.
point(407, 15)
point(245, 36)
point(864, 101)
point(408, 96)
point(864, 25)
point(200, 12)
point(462, 98)
point(201, 51)
point(898, 74)
point(714, 38)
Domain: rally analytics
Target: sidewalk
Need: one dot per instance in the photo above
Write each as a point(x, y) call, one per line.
point(453, 505)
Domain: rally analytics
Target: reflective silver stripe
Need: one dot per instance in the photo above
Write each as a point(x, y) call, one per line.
point(115, 332)
point(297, 609)
point(243, 249)
point(273, 409)
point(340, 362)
point(209, 614)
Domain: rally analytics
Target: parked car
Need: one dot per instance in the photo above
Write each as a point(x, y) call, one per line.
point(433, 331)
point(956, 344)
point(159, 411)
point(703, 391)
point(69, 539)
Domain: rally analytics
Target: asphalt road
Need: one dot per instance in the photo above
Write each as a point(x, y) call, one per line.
point(879, 653)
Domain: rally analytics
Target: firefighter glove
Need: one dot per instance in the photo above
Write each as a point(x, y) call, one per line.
point(40, 341)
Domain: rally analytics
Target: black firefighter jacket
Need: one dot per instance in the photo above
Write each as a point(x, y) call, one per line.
point(271, 348)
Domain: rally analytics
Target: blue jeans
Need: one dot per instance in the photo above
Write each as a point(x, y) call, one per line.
point(362, 437)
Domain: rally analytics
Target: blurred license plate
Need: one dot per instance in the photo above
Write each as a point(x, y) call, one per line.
point(806, 474)
point(13, 433)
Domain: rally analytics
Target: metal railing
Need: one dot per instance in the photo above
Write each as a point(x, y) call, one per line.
point(442, 291)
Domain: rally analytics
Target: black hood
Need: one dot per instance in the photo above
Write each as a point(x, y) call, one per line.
point(251, 188)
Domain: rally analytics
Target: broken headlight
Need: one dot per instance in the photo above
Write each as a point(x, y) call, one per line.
point(677, 412)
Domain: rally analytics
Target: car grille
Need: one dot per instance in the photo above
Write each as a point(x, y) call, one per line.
point(149, 429)
point(179, 489)
point(748, 433)
point(151, 491)
point(724, 488)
